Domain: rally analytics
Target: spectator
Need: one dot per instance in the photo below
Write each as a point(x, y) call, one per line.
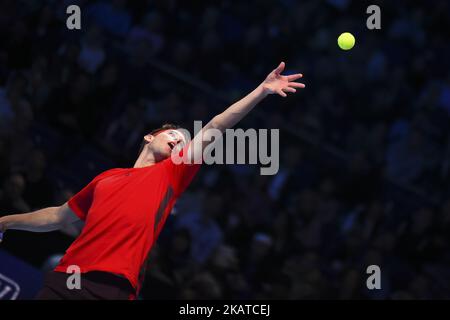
point(205, 232)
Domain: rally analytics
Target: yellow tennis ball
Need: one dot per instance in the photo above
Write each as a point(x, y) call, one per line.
point(346, 41)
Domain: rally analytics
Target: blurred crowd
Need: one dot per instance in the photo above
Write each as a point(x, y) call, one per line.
point(365, 148)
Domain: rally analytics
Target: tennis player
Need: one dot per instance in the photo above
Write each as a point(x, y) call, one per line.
point(124, 209)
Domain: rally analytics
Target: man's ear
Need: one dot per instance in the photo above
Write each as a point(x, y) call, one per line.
point(149, 138)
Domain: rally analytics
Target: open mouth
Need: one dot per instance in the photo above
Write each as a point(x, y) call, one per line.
point(171, 145)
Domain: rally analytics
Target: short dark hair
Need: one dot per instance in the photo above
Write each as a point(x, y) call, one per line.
point(165, 126)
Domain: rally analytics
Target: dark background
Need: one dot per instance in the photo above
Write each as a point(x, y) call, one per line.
point(365, 148)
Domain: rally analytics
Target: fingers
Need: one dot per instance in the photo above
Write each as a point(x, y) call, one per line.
point(294, 77)
point(280, 68)
point(289, 89)
point(281, 93)
point(296, 85)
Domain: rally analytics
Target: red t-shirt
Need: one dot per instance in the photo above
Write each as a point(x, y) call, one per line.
point(124, 211)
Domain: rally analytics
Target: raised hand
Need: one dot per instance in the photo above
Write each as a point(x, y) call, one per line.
point(279, 84)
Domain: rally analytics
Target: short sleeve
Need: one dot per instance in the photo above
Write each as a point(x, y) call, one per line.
point(181, 175)
point(81, 202)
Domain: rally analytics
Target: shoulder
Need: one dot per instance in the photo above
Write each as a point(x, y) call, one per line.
point(109, 173)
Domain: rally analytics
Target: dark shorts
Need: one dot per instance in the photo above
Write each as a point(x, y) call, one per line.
point(93, 286)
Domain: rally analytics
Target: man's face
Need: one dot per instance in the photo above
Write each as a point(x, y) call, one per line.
point(164, 142)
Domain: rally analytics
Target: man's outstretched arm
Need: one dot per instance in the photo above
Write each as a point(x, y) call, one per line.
point(44, 220)
point(275, 83)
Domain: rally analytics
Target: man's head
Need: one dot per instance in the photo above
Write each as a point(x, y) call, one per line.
point(162, 141)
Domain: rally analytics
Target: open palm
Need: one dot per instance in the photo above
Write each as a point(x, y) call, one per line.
point(279, 84)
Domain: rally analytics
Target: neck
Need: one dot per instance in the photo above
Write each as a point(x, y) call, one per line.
point(145, 159)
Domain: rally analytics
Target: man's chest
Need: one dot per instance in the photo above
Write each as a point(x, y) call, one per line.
point(131, 193)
